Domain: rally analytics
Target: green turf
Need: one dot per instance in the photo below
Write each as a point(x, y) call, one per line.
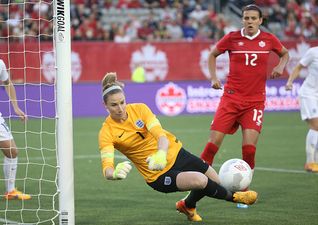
point(287, 195)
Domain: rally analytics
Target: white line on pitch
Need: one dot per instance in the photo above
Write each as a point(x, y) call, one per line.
point(79, 157)
point(279, 170)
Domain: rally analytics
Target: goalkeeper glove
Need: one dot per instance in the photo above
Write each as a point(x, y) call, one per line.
point(121, 170)
point(158, 160)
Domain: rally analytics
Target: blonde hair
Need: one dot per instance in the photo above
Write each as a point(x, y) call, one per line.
point(110, 80)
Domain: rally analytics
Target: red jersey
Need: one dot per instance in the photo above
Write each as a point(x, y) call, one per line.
point(248, 63)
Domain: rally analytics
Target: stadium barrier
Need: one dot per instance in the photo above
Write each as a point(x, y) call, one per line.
point(162, 61)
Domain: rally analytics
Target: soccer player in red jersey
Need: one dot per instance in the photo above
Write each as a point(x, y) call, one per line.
point(243, 101)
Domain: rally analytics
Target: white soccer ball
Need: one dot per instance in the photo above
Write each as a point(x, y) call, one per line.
point(235, 175)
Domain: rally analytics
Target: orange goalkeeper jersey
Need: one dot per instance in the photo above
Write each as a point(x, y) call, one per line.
point(136, 138)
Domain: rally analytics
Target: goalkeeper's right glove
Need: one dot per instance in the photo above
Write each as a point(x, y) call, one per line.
point(158, 160)
point(121, 170)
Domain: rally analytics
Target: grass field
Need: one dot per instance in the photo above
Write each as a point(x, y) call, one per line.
point(287, 194)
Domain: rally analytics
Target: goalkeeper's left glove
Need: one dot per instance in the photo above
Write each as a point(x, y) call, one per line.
point(158, 160)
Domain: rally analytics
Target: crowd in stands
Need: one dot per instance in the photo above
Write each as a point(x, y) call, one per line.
point(154, 20)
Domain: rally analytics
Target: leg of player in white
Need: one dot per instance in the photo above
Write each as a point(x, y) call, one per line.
point(10, 162)
point(309, 113)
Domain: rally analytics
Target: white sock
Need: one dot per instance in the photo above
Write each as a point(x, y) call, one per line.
point(10, 170)
point(311, 143)
point(316, 153)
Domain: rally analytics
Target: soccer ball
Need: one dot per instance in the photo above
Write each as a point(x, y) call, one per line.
point(235, 175)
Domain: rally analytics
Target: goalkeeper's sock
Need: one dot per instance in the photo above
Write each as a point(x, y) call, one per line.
point(248, 152)
point(212, 189)
point(10, 170)
point(209, 152)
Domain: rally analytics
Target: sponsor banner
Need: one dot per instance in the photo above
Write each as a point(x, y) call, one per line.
point(172, 61)
point(164, 98)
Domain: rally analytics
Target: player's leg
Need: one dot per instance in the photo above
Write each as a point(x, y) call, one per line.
point(311, 164)
point(224, 122)
point(198, 177)
point(10, 162)
point(202, 180)
point(250, 138)
point(314, 125)
point(251, 122)
point(212, 147)
point(201, 185)
point(309, 113)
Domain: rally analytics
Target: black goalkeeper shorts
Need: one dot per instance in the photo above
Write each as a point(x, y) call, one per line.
point(185, 162)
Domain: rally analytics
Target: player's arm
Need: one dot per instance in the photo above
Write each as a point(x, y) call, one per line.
point(110, 173)
point(295, 73)
point(215, 82)
point(279, 69)
point(10, 89)
point(158, 160)
point(107, 150)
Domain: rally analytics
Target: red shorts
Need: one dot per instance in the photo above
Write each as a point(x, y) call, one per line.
point(232, 113)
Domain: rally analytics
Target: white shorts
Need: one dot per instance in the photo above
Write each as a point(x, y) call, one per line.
point(308, 108)
point(5, 133)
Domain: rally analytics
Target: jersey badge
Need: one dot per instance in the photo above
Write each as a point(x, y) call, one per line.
point(261, 44)
point(167, 181)
point(140, 123)
point(241, 43)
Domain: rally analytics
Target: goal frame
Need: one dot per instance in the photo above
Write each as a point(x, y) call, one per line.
point(62, 43)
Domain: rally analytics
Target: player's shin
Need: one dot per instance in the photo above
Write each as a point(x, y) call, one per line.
point(209, 152)
point(212, 189)
point(248, 153)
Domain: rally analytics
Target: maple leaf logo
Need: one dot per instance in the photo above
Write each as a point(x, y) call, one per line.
point(48, 66)
point(153, 61)
point(262, 44)
point(222, 64)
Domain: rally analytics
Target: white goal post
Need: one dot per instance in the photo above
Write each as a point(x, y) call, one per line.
point(35, 46)
point(62, 40)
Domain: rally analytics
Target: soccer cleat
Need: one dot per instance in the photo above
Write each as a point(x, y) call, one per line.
point(311, 167)
point(15, 194)
point(245, 197)
point(190, 213)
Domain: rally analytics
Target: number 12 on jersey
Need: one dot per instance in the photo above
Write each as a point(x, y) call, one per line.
point(250, 59)
point(257, 116)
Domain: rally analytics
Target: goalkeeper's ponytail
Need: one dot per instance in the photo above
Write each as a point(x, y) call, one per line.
point(110, 85)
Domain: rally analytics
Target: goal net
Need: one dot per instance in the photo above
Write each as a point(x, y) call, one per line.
point(35, 47)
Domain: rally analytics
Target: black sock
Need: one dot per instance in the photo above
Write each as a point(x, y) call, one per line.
point(212, 189)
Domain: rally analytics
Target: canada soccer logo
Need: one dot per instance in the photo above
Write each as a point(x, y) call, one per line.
point(171, 99)
point(153, 61)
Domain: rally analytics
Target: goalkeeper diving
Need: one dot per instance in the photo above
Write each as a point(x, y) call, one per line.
point(157, 154)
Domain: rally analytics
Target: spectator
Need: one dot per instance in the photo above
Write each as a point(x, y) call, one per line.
point(189, 32)
point(198, 14)
point(145, 32)
point(102, 14)
point(131, 28)
point(121, 36)
point(174, 30)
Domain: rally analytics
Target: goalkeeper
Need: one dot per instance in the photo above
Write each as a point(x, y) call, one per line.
point(158, 155)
